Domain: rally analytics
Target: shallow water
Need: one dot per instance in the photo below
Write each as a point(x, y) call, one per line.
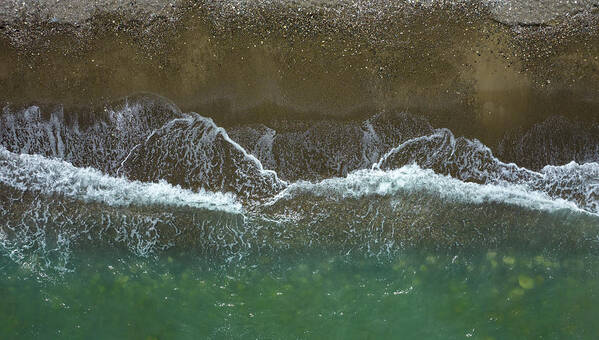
point(495, 294)
point(155, 224)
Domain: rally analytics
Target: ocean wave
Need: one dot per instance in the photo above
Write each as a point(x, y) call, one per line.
point(321, 149)
point(412, 178)
point(196, 153)
point(88, 138)
point(147, 138)
point(471, 161)
point(50, 210)
point(56, 177)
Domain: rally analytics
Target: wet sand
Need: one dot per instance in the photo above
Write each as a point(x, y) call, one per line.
point(479, 70)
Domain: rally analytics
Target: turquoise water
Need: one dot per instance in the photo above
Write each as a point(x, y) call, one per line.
point(495, 294)
point(161, 226)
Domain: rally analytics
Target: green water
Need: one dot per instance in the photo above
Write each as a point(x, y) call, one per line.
point(481, 295)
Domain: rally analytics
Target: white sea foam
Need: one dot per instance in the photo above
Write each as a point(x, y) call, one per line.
point(249, 156)
point(412, 178)
point(196, 153)
point(471, 161)
point(52, 176)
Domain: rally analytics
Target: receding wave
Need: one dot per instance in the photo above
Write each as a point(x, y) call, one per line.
point(96, 139)
point(194, 152)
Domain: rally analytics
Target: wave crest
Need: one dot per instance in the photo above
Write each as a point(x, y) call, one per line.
point(55, 177)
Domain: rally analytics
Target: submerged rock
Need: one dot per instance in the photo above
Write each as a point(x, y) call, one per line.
point(526, 282)
point(509, 260)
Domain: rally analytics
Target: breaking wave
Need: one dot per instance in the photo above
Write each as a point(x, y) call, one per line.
point(471, 161)
point(412, 178)
point(194, 152)
point(145, 177)
point(55, 177)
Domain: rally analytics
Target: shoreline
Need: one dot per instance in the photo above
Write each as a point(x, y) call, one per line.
point(456, 64)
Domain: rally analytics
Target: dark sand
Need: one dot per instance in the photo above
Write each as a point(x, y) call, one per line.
point(480, 69)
